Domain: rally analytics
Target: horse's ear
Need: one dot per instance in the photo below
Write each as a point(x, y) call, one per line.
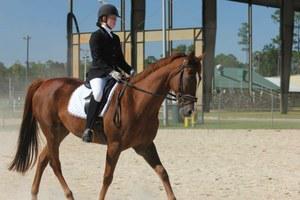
point(201, 56)
point(191, 55)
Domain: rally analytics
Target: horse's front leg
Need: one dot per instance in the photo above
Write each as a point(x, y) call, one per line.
point(150, 154)
point(112, 156)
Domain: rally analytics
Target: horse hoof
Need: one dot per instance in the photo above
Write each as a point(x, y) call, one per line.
point(69, 195)
point(34, 197)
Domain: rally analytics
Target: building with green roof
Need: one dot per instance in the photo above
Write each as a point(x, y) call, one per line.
point(237, 78)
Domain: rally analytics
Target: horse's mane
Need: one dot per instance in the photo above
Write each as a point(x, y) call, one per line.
point(155, 66)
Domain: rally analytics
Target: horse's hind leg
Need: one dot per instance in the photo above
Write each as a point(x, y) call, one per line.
point(112, 156)
point(54, 135)
point(150, 154)
point(41, 165)
point(60, 132)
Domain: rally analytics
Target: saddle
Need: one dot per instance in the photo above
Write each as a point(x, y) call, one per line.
point(106, 91)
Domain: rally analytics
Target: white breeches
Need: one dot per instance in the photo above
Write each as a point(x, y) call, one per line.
point(97, 85)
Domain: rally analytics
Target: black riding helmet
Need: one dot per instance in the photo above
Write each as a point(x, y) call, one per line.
point(108, 9)
point(105, 10)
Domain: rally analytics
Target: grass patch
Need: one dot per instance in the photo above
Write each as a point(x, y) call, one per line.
point(245, 120)
point(255, 115)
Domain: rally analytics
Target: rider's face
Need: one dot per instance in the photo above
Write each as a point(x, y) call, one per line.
point(111, 21)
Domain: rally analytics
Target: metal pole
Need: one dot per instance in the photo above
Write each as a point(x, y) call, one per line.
point(84, 72)
point(70, 38)
point(298, 33)
point(170, 25)
point(272, 108)
point(219, 108)
point(85, 57)
point(27, 58)
point(123, 15)
point(85, 65)
point(164, 55)
point(279, 57)
point(10, 89)
point(250, 47)
point(27, 38)
point(123, 25)
point(70, 6)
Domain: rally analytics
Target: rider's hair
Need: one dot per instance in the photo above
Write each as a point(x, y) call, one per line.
point(101, 20)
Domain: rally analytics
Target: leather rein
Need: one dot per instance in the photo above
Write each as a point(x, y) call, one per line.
point(180, 96)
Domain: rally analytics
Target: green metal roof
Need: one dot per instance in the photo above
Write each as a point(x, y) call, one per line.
point(231, 77)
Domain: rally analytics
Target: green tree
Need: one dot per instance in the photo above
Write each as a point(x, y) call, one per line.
point(3, 79)
point(297, 31)
point(276, 18)
point(228, 60)
point(182, 48)
point(190, 48)
point(266, 61)
point(17, 70)
point(150, 60)
point(3, 70)
point(296, 42)
point(243, 35)
point(17, 74)
point(295, 63)
point(37, 70)
point(55, 69)
point(81, 71)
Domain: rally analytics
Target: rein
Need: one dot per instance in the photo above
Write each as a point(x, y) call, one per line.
point(126, 83)
point(180, 97)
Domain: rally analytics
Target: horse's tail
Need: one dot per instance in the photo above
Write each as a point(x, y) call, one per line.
point(27, 150)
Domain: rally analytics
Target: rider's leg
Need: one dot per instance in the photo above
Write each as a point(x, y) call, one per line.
point(97, 85)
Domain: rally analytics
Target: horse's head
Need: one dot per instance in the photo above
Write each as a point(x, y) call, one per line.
point(183, 81)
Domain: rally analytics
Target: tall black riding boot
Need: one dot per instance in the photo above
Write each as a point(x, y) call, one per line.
point(92, 113)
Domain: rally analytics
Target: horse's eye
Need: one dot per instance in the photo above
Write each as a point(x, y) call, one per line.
point(191, 73)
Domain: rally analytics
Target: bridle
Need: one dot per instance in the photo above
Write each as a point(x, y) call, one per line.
point(183, 99)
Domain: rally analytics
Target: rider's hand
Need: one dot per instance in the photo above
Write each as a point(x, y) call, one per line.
point(132, 72)
point(116, 75)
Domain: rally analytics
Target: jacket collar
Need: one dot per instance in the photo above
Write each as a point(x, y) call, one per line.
point(107, 30)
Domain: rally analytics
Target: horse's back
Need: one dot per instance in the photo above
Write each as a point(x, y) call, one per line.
point(54, 91)
point(55, 85)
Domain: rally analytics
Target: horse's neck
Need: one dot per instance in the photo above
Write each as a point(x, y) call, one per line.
point(156, 83)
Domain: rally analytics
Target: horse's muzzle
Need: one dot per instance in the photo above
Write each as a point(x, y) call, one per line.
point(186, 111)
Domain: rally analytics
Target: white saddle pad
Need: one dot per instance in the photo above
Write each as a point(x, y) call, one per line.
point(77, 101)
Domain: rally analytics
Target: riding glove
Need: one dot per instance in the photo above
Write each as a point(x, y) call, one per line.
point(116, 75)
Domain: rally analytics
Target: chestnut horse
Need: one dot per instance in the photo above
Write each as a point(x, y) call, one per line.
point(47, 100)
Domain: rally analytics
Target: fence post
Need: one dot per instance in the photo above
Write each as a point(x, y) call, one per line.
point(272, 108)
point(2, 124)
point(219, 107)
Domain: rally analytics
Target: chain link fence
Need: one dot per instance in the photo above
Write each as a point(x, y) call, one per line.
point(12, 99)
point(229, 109)
point(236, 109)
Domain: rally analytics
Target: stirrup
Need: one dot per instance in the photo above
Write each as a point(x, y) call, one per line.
point(88, 135)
